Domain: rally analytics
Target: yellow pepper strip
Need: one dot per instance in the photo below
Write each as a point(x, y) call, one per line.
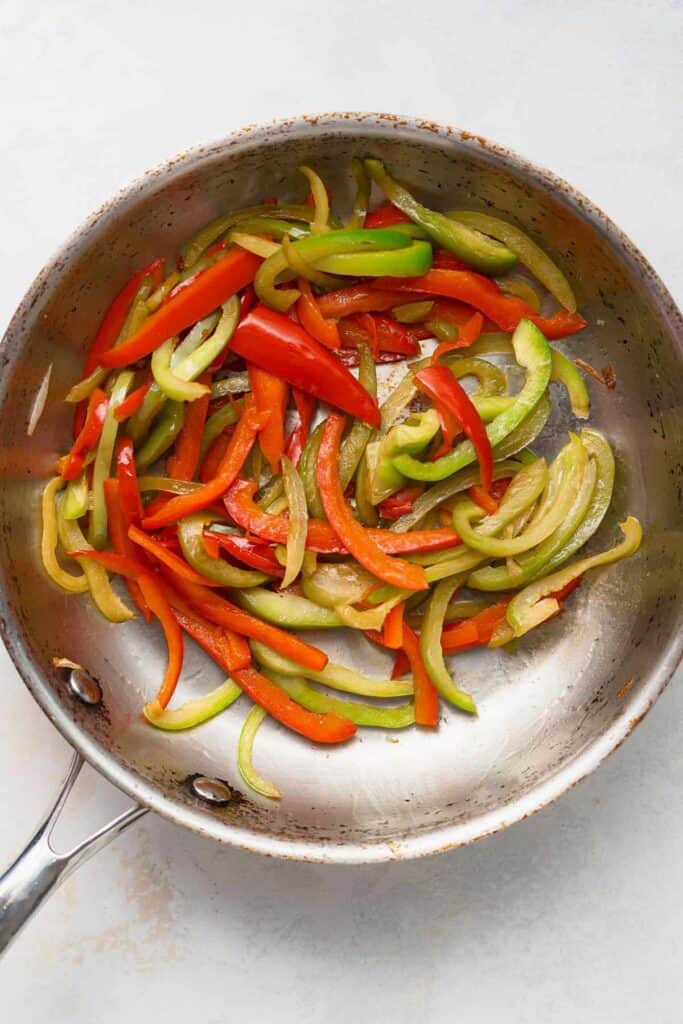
point(194, 712)
point(49, 539)
point(298, 522)
point(245, 750)
point(320, 223)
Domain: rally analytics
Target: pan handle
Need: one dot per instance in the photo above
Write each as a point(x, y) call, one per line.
point(38, 869)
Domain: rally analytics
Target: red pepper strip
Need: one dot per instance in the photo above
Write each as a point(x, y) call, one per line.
point(227, 649)
point(444, 390)
point(276, 344)
point(483, 294)
point(213, 457)
point(561, 595)
point(380, 333)
point(270, 395)
point(130, 405)
point(311, 319)
point(126, 474)
point(154, 597)
point(355, 537)
point(445, 260)
point(208, 291)
point(169, 558)
point(224, 613)
point(115, 317)
point(483, 499)
point(321, 728)
point(182, 464)
point(392, 632)
point(426, 697)
point(401, 665)
point(351, 357)
point(359, 298)
point(240, 506)
point(118, 532)
point(400, 503)
point(88, 436)
point(239, 446)
point(386, 215)
point(467, 335)
point(257, 556)
point(450, 428)
point(305, 406)
point(499, 487)
point(473, 632)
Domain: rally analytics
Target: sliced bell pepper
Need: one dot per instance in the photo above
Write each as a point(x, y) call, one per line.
point(224, 613)
point(368, 715)
point(483, 294)
point(182, 464)
point(213, 457)
point(401, 502)
point(467, 335)
point(240, 505)
point(88, 436)
point(287, 609)
point(483, 499)
point(209, 290)
point(442, 387)
point(476, 249)
point(126, 474)
point(472, 632)
point(321, 728)
point(217, 570)
point(270, 395)
point(426, 695)
point(311, 319)
point(335, 676)
point(386, 216)
point(355, 537)
point(360, 298)
point(430, 645)
point(227, 649)
point(305, 407)
point(362, 197)
point(415, 258)
point(130, 405)
point(174, 562)
point(272, 341)
point(257, 556)
point(392, 632)
point(239, 446)
point(379, 333)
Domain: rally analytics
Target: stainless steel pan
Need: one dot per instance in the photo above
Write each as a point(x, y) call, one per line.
point(547, 716)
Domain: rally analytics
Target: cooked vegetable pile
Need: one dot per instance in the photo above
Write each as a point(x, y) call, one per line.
point(248, 486)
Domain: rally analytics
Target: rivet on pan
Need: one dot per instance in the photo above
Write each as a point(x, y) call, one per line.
point(84, 686)
point(212, 790)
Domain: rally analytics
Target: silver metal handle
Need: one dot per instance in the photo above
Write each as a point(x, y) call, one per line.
point(38, 870)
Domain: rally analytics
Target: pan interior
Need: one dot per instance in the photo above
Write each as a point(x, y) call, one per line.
point(544, 713)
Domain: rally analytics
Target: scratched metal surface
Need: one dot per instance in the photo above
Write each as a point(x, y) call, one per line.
point(549, 714)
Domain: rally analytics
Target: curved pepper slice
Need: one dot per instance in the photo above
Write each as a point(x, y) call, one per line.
point(478, 291)
point(272, 341)
point(257, 556)
point(312, 320)
point(355, 537)
point(239, 503)
point(88, 436)
point(205, 293)
point(270, 395)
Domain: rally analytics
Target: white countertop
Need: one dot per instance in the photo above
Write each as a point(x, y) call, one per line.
point(573, 915)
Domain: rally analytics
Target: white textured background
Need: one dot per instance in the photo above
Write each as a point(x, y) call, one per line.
point(571, 916)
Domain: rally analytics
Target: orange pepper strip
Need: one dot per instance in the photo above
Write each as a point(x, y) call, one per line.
point(355, 537)
point(132, 403)
point(483, 499)
point(321, 728)
point(270, 395)
point(115, 317)
point(154, 597)
point(88, 435)
point(467, 335)
point(239, 447)
point(169, 558)
point(126, 474)
point(392, 632)
point(359, 298)
point(426, 696)
point(118, 532)
point(312, 320)
point(228, 615)
point(212, 459)
point(205, 293)
point(227, 649)
point(483, 294)
point(473, 632)
point(239, 503)
point(182, 464)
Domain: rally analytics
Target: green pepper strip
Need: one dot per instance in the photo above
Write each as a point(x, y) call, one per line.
point(365, 509)
point(321, 204)
point(97, 530)
point(245, 749)
point(463, 561)
point(362, 198)
point(533, 353)
point(166, 483)
point(476, 249)
point(166, 429)
point(308, 471)
point(535, 604)
point(530, 254)
point(355, 442)
point(208, 234)
point(315, 248)
point(525, 488)
point(76, 497)
point(191, 537)
point(287, 610)
point(178, 383)
point(49, 538)
point(360, 714)
point(338, 677)
point(109, 603)
point(412, 312)
point(413, 260)
point(277, 229)
point(194, 712)
point(563, 370)
point(430, 645)
point(217, 422)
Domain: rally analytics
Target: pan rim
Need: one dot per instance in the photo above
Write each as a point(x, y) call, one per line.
point(440, 838)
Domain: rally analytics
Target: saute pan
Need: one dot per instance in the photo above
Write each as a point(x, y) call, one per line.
point(547, 716)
